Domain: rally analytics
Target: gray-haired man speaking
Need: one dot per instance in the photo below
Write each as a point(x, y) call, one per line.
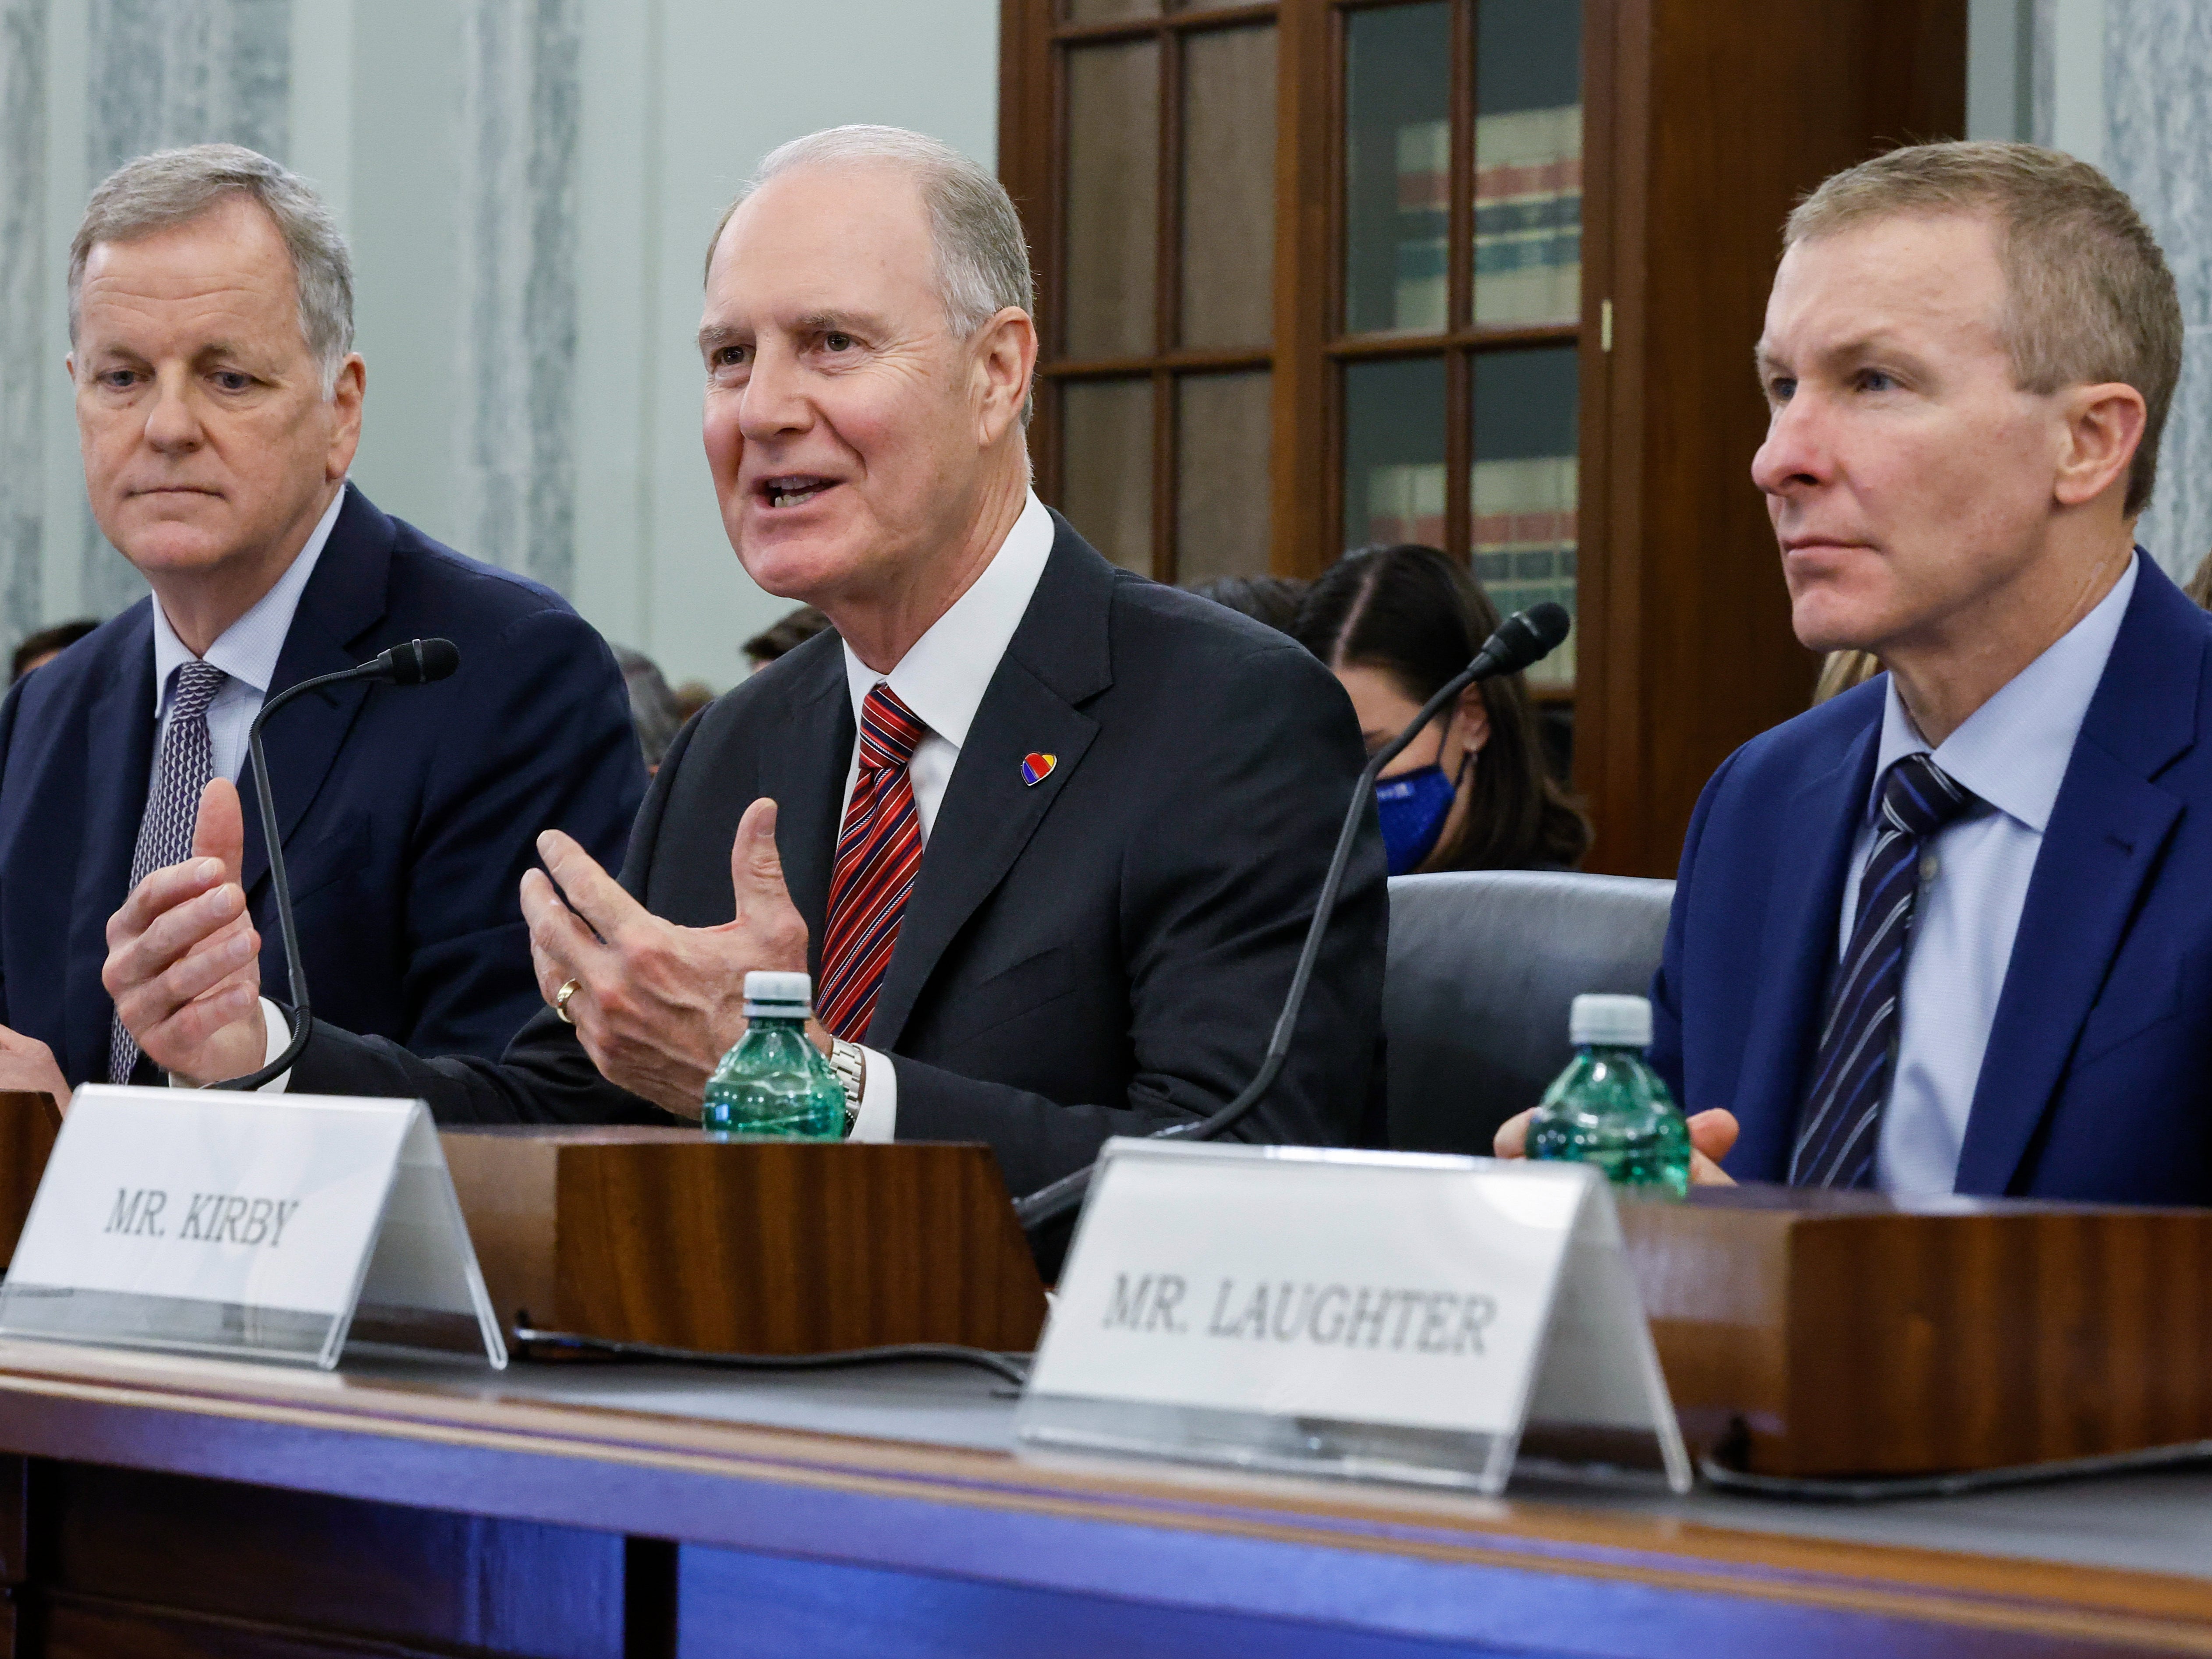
point(219, 401)
point(1047, 835)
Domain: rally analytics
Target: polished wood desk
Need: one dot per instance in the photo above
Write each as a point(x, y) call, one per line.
point(162, 1507)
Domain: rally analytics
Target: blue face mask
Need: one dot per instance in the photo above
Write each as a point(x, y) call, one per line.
point(1414, 805)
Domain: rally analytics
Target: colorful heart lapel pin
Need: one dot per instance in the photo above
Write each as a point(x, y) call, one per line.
point(1035, 768)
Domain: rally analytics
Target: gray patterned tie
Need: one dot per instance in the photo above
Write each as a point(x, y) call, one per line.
point(165, 833)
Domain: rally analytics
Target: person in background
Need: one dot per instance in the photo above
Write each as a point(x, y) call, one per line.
point(42, 647)
point(1841, 669)
point(218, 402)
point(689, 698)
point(652, 707)
point(2199, 585)
point(788, 632)
point(1274, 600)
point(1472, 792)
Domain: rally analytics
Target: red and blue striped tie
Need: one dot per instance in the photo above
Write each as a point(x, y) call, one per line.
point(1841, 1123)
point(878, 851)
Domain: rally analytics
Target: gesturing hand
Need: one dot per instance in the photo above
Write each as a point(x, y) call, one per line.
point(184, 961)
point(657, 1005)
point(1711, 1134)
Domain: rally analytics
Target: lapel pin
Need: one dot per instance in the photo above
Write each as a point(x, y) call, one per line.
point(1035, 768)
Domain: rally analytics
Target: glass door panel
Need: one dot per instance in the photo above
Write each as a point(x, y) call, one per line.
point(1393, 452)
point(1106, 467)
point(1524, 488)
point(1528, 162)
point(1113, 198)
point(1221, 475)
point(1397, 169)
point(1228, 187)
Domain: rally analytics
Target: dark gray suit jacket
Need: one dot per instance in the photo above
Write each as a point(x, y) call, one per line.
point(1103, 953)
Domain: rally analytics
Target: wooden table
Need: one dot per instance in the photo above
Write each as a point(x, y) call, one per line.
point(163, 1507)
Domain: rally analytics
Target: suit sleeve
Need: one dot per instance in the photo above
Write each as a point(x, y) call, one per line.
point(1665, 1050)
point(544, 1077)
point(1215, 906)
point(549, 745)
point(9, 706)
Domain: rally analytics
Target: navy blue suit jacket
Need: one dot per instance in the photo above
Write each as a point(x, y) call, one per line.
point(408, 814)
point(2097, 1084)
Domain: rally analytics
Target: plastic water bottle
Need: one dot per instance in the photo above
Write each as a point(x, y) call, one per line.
point(1609, 1108)
point(774, 1082)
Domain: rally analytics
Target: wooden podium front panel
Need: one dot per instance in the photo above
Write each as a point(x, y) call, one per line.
point(664, 1236)
point(28, 1125)
point(1843, 1333)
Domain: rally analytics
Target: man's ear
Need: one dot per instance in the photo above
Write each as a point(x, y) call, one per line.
point(2104, 428)
point(1005, 359)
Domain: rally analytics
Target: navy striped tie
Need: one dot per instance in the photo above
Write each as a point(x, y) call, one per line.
point(1837, 1130)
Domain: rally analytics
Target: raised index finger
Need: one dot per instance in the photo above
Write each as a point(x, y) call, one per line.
point(596, 896)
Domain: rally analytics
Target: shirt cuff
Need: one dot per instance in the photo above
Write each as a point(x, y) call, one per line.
point(878, 1116)
point(280, 1034)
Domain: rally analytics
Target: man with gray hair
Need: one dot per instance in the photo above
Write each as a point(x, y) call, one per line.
point(1048, 835)
point(219, 403)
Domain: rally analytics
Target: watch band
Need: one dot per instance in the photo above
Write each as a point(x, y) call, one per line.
point(850, 1066)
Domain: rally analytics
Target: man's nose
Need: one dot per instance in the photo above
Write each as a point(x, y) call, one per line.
point(172, 422)
point(1796, 453)
point(773, 402)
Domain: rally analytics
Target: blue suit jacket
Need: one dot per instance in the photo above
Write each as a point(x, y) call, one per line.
point(2097, 1084)
point(408, 814)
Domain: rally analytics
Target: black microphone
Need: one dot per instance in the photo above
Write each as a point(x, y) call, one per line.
point(1525, 638)
point(417, 663)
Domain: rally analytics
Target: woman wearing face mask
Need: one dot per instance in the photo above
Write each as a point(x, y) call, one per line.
point(1471, 792)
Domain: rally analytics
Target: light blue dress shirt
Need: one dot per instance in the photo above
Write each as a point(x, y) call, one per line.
point(2013, 753)
point(246, 651)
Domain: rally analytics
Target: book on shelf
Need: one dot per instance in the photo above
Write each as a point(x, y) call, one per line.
point(1528, 215)
point(1423, 224)
point(1406, 504)
point(1524, 544)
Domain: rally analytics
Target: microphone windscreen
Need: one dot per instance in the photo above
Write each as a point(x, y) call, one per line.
point(419, 662)
point(1527, 637)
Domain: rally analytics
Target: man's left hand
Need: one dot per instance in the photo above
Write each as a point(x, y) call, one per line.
point(657, 1006)
point(28, 1064)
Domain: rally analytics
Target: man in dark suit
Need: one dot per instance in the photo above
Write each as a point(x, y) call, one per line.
point(1952, 930)
point(219, 404)
point(1047, 835)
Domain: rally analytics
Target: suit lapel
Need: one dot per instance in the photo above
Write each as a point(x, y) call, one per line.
point(1057, 658)
point(345, 597)
point(121, 726)
point(2107, 827)
point(1797, 950)
point(806, 778)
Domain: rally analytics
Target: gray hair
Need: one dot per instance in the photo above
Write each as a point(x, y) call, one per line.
point(982, 257)
point(169, 187)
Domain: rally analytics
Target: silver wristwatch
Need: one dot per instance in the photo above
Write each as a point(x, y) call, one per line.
point(850, 1066)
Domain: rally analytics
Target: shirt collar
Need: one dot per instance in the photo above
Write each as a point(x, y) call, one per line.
point(248, 649)
point(944, 674)
point(2013, 750)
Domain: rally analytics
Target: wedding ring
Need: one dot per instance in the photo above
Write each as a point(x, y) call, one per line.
point(561, 1000)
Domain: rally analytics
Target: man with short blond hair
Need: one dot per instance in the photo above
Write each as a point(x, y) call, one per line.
point(1951, 930)
point(1047, 835)
point(219, 403)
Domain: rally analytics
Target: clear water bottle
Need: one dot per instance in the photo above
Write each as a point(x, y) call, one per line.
point(774, 1082)
point(1609, 1108)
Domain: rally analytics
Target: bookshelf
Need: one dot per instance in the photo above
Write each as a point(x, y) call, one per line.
point(1484, 273)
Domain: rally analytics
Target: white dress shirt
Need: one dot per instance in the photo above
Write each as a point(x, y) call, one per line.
point(2013, 753)
point(248, 652)
point(942, 678)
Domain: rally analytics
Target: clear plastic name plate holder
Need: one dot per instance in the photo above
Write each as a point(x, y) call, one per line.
point(1382, 1316)
point(267, 1227)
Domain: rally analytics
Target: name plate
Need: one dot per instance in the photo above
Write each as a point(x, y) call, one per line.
point(1390, 1316)
point(271, 1227)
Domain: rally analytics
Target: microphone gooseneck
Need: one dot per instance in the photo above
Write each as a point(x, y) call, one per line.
point(1523, 639)
point(417, 663)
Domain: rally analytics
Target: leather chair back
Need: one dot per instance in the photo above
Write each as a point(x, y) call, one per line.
point(1483, 965)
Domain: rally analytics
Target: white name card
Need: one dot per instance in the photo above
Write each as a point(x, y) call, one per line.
point(276, 1226)
point(1391, 1314)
